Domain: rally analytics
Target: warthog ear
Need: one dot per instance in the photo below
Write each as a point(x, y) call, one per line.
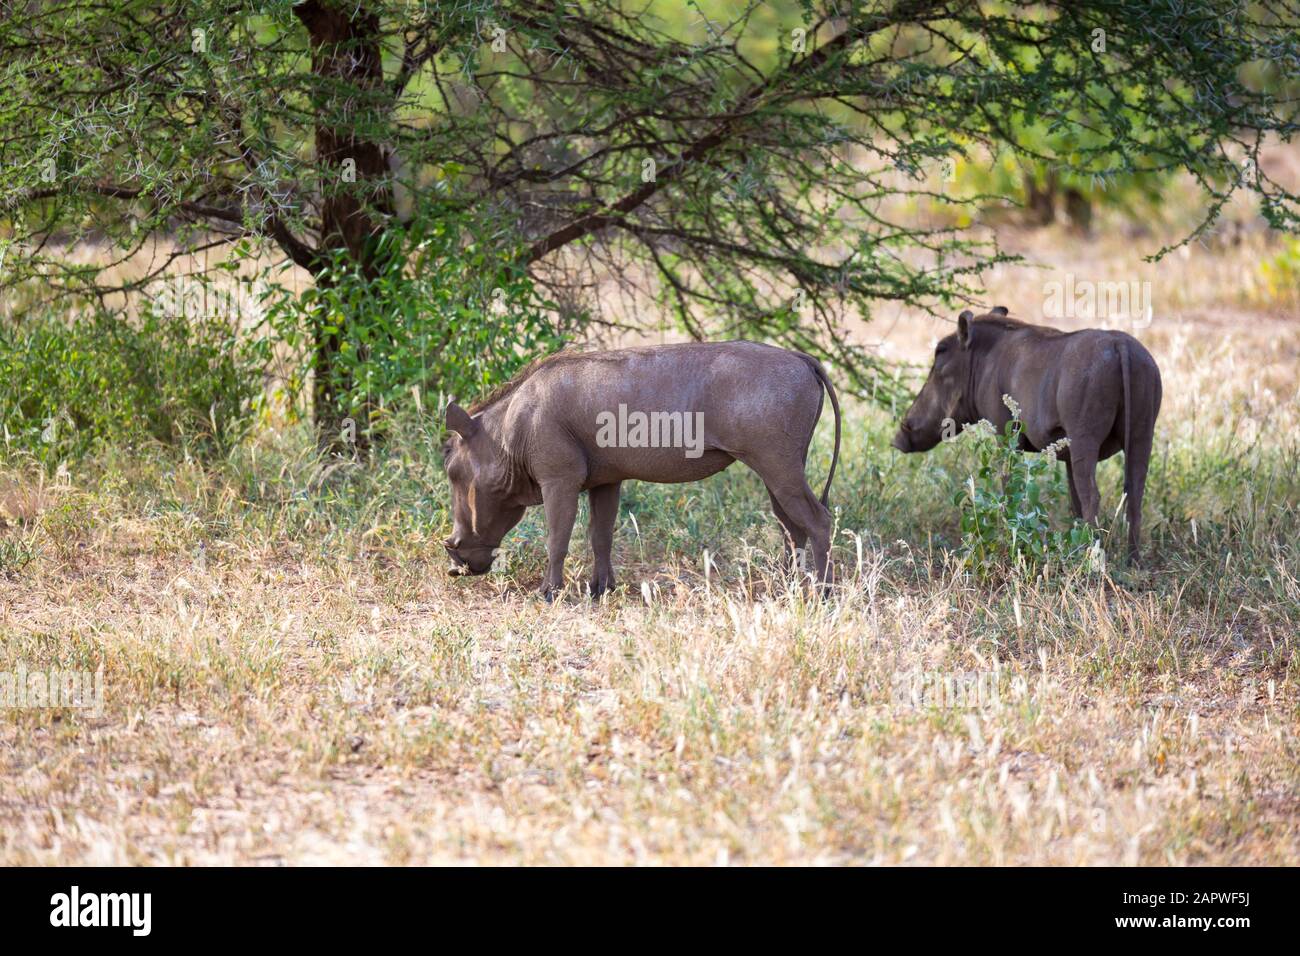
point(459, 421)
point(999, 310)
point(963, 328)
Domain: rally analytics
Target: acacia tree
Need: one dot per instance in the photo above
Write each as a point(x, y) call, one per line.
point(739, 167)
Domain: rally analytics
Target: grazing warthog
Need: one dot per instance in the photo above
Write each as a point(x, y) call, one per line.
point(1100, 389)
point(587, 421)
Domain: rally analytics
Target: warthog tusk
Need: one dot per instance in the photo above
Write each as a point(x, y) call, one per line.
point(495, 552)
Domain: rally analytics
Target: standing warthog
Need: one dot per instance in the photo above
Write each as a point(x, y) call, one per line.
point(587, 421)
point(1100, 389)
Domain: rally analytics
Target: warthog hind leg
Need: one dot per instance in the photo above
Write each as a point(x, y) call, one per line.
point(795, 537)
point(1136, 459)
point(790, 492)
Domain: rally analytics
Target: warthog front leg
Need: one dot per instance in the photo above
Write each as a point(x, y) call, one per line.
point(1083, 477)
point(604, 515)
point(560, 501)
point(1075, 507)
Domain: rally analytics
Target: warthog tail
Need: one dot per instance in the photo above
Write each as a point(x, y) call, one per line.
point(1128, 416)
point(835, 404)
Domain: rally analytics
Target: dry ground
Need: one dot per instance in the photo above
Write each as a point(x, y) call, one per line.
point(285, 685)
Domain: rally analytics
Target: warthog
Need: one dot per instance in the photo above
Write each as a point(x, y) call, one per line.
point(588, 421)
point(1100, 389)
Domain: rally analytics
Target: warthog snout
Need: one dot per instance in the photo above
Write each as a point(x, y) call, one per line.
point(916, 434)
point(468, 560)
point(903, 438)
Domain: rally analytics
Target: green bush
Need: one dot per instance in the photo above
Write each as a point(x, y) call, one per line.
point(67, 386)
point(443, 315)
point(1005, 508)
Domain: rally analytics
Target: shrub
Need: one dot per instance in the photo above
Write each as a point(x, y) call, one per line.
point(1005, 507)
point(67, 386)
point(441, 316)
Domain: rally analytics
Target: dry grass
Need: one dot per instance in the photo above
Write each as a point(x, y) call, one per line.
point(290, 677)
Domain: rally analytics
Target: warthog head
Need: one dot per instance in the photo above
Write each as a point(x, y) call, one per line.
point(481, 503)
point(943, 404)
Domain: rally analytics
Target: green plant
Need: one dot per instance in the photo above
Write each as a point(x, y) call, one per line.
point(442, 315)
point(1005, 507)
point(16, 552)
point(67, 386)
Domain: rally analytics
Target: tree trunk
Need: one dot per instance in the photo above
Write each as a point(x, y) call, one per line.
point(1040, 200)
point(1079, 208)
point(336, 431)
point(346, 57)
